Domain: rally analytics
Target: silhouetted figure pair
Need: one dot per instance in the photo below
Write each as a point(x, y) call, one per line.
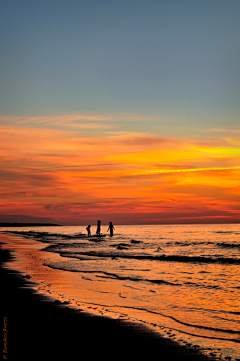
point(111, 228)
point(98, 232)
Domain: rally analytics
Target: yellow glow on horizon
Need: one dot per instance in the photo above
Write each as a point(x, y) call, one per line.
point(184, 170)
point(219, 151)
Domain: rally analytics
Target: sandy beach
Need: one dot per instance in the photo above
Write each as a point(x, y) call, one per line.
point(37, 327)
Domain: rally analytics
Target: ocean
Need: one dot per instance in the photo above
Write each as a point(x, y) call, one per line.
point(183, 281)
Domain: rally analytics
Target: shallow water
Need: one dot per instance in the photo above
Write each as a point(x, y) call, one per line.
point(181, 280)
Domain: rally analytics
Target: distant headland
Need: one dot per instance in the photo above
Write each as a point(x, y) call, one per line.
point(15, 224)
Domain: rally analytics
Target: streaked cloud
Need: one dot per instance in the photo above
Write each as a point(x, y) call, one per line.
point(186, 170)
point(86, 120)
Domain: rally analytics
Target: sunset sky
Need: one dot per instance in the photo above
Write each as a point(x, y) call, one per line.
point(124, 111)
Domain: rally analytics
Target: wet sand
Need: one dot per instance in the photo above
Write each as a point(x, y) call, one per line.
point(40, 329)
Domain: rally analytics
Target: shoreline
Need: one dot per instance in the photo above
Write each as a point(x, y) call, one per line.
point(34, 324)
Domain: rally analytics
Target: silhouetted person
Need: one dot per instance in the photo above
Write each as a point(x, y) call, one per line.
point(111, 228)
point(88, 230)
point(98, 228)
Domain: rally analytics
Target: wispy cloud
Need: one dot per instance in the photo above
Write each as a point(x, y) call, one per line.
point(87, 120)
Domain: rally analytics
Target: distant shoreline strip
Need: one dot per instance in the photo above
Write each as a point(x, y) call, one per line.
point(5, 224)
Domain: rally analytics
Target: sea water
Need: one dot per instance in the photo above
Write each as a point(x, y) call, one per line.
point(181, 280)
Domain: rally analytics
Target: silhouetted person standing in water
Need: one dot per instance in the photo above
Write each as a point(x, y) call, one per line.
point(111, 228)
point(98, 228)
point(88, 230)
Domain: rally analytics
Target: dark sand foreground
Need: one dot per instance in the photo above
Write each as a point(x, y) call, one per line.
point(39, 329)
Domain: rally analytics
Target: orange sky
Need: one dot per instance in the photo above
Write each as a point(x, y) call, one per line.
point(75, 169)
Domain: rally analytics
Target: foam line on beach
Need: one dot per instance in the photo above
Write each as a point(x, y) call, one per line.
point(177, 321)
point(163, 257)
